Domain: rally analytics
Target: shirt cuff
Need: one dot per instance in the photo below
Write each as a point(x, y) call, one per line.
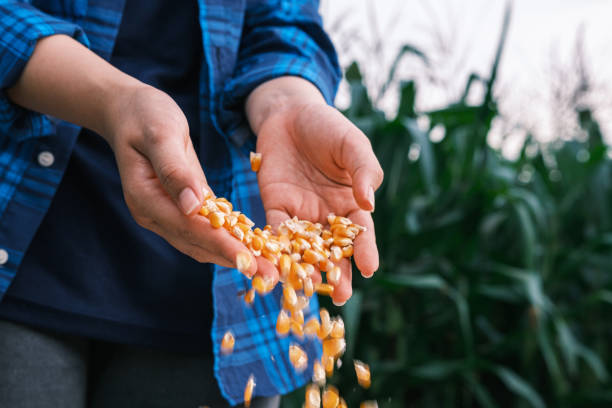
point(20, 28)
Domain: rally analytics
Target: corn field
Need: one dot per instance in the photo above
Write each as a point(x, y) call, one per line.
point(496, 275)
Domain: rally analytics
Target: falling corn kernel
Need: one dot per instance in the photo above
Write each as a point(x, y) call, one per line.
point(282, 323)
point(334, 347)
point(248, 391)
point(217, 219)
point(328, 365)
point(259, 285)
point(337, 331)
point(308, 287)
point(312, 326)
point(363, 374)
point(342, 403)
point(333, 276)
point(249, 296)
point(298, 357)
point(331, 398)
point(324, 289)
point(368, 404)
point(227, 343)
point(290, 295)
point(347, 251)
point(255, 161)
point(313, 397)
point(318, 373)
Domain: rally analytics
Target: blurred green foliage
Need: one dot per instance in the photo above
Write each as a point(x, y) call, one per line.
point(496, 276)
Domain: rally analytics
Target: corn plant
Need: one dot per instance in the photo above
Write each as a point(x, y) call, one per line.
point(496, 275)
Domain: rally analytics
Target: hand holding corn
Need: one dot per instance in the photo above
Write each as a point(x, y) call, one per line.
point(315, 162)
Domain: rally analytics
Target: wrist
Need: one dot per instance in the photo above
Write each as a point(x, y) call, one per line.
point(279, 96)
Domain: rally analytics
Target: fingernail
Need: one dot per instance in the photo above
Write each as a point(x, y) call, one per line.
point(243, 263)
point(188, 201)
point(371, 197)
point(338, 303)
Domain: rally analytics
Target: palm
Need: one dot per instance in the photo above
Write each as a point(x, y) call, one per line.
point(299, 176)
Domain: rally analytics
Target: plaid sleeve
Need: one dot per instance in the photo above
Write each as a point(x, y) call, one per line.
point(21, 26)
point(285, 39)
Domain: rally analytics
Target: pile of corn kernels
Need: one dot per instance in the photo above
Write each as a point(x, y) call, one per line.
point(298, 249)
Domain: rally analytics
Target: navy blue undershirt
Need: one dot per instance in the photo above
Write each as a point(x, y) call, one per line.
point(91, 270)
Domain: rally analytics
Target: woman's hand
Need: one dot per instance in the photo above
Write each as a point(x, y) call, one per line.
point(316, 162)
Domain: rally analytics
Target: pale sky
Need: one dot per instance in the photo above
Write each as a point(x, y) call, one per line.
point(460, 36)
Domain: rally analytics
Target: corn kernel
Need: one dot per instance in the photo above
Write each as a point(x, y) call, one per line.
point(297, 329)
point(334, 347)
point(282, 323)
point(298, 357)
point(368, 404)
point(342, 403)
point(347, 251)
point(342, 242)
point(255, 161)
point(245, 220)
point(318, 373)
point(227, 343)
point(248, 391)
point(331, 398)
point(290, 295)
point(363, 374)
point(308, 287)
point(313, 397)
point(336, 253)
point(223, 205)
point(261, 285)
point(324, 289)
point(312, 327)
point(311, 256)
point(237, 232)
point(243, 262)
point(328, 365)
point(204, 211)
point(337, 331)
point(297, 316)
point(217, 219)
point(333, 276)
point(249, 296)
point(284, 264)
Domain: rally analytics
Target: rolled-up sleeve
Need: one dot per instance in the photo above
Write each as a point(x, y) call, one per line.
point(21, 26)
point(283, 37)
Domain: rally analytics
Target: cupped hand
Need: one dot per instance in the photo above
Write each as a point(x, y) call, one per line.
point(316, 162)
point(163, 182)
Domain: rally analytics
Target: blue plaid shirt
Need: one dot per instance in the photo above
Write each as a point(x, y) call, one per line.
point(246, 42)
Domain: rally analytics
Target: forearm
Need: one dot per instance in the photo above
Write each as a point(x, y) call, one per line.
point(277, 95)
point(66, 80)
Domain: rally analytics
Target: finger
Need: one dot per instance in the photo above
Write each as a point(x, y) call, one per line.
point(177, 167)
point(275, 217)
point(344, 289)
point(267, 270)
point(365, 251)
point(357, 157)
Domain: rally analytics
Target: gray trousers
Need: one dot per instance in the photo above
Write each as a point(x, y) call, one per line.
point(41, 369)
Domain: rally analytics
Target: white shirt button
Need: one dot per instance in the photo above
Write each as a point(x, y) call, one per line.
point(46, 159)
point(3, 256)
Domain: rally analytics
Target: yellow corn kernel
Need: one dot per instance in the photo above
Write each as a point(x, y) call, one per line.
point(230, 221)
point(313, 397)
point(342, 403)
point(363, 374)
point(308, 287)
point(311, 256)
point(308, 269)
point(245, 220)
point(290, 295)
point(368, 404)
point(334, 347)
point(249, 296)
point(318, 373)
point(267, 228)
point(347, 251)
point(237, 232)
point(248, 391)
point(337, 331)
point(342, 242)
point(336, 253)
point(282, 323)
point(312, 326)
point(244, 227)
point(223, 205)
point(243, 262)
point(331, 398)
point(296, 257)
point(324, 289)
point(297, 316)
point(284, 265)
point(297, 329)
point(298, 357)
point(261, 285)
point(257, 243)
point(217, 219)
point(333, 276)
point(328, 365)
point(302, 303)
point(227, 343)
point(204, 211)
point(326, 234)
point(331, 219)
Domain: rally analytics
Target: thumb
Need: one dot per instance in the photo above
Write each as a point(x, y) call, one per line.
point(359, 160)
point(178, 169)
